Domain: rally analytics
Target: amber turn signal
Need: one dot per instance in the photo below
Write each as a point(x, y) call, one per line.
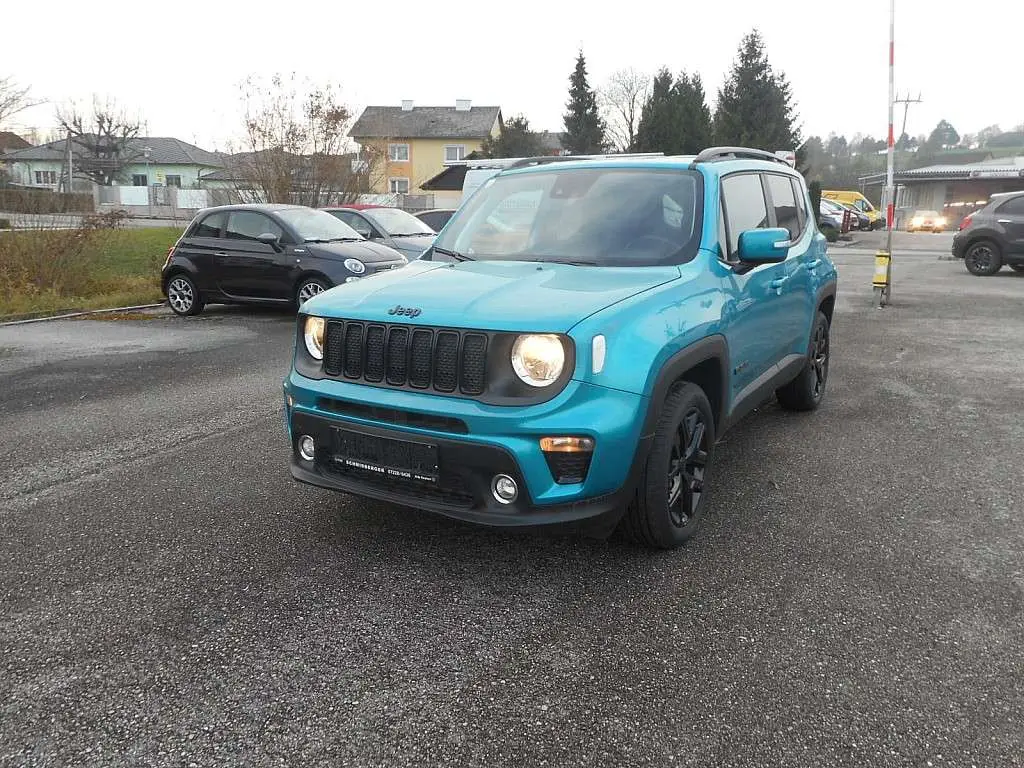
point(567, 444)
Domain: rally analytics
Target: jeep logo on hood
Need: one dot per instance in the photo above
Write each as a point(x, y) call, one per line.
point(398, 309)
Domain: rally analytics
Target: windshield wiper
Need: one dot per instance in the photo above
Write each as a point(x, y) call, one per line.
point(452, 254)
point(412, 234)
point(331, 239)
point(563, 261)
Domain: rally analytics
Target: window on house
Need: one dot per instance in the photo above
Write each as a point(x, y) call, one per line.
point(140, 180)
point(174, 180)
point(398, 153)
point(454, 152)
point(46, 177)
point(399, 186)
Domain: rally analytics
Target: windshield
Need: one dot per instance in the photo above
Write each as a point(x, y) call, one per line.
point(600, 216)
point(310, 224)
point(397, 222)
point(863, 205)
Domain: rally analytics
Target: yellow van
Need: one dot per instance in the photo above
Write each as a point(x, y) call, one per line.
point(858, 201)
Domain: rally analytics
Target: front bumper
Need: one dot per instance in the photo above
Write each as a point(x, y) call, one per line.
point(475, 442)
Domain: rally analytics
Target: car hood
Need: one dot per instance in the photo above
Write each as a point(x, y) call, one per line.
point(488, 295)
point(412, 247)
point(363, 250)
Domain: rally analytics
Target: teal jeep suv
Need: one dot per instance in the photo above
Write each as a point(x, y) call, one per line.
point(572, 345)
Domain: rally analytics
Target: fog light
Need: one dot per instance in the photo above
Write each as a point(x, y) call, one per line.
point(351, 279)
point(504, 489)
point(307, 448)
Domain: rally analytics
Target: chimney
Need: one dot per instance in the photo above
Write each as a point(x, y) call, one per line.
point(462, 105)
point(407, 105)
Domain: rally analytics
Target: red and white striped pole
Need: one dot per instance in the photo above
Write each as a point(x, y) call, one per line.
point(890, 186)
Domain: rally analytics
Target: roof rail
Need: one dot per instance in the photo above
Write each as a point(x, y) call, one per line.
point(505, 163)
point(711, 154)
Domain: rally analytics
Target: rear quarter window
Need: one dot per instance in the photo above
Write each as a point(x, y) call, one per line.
point(210, 226)
point(1013, 207)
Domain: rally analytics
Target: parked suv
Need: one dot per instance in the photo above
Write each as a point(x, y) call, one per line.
point(266, 254)
point(993, 236)
point(577, 360)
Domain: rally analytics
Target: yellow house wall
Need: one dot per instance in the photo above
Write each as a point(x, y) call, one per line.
point(426, 160)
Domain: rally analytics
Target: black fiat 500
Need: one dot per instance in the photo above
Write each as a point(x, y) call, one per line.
point(266, 254)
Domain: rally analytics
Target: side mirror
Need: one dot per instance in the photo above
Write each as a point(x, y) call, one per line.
point(269, 238)
point(764, 246)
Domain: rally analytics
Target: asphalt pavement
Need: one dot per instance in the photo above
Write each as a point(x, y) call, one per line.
point(169, 597)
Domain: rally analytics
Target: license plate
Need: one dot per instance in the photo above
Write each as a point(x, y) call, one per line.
point(385, 456)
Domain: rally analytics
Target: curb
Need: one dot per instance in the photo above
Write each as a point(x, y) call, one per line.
point(83, 313)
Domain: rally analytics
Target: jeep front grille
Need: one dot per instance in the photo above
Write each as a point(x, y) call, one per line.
point(445, 360)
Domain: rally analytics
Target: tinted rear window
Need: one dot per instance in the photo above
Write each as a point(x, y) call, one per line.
point(210, 226)
point(1013, 207)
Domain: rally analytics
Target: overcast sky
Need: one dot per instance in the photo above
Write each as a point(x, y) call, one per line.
point(179, 63)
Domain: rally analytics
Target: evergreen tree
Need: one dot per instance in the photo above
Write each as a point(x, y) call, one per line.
point(675, 119)
point(584, 128)
point(944, 135)
point(755, 104)
point(515, 140)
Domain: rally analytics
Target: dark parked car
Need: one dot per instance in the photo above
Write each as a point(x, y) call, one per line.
point(437, 218)
point(993, 236)
point(391, 226)
point(266, 254)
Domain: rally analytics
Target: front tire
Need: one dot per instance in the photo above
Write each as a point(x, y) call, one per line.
point(806, 391)
point(183, 297)
point(671, 497)
point(983, 258)
point(307, 288)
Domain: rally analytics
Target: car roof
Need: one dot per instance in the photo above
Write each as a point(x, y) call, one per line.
point(353, 207)
point(264, 207)
point(716, 167)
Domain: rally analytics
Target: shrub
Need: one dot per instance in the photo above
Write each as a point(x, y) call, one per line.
point(53, 260)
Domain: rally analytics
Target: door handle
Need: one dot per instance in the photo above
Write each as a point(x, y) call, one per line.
point(778, 282)
point(220, 253)
point(1005, 221)
point(813, 264)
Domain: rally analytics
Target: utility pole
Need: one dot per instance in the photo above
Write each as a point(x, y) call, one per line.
point(882, 280)
point(906, 101)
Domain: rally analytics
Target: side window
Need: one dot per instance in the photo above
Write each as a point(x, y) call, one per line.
point(249, 225)
point(357, 222)
point(723, 237)
point(1014, 207)
point(744, 206)
point(781, 190)
point(801, 202)
point(210, 226)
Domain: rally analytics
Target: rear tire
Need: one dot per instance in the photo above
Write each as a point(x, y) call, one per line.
point(671, 497)
point(183, 296)
point(806, 391)
point(983, 258)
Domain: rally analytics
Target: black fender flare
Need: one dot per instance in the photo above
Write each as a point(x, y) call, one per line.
point(701, 351)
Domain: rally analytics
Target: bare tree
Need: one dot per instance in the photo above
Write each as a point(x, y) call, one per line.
point(14, 98)
point(297, 149)
point(103, 141)
point(622, 99)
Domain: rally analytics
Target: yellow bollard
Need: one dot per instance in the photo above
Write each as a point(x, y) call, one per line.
point(882, 280)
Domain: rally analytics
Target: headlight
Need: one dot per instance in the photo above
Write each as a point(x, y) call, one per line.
point(314, 336)
point(538, 358)
point(917, 220)
point(355, 266)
